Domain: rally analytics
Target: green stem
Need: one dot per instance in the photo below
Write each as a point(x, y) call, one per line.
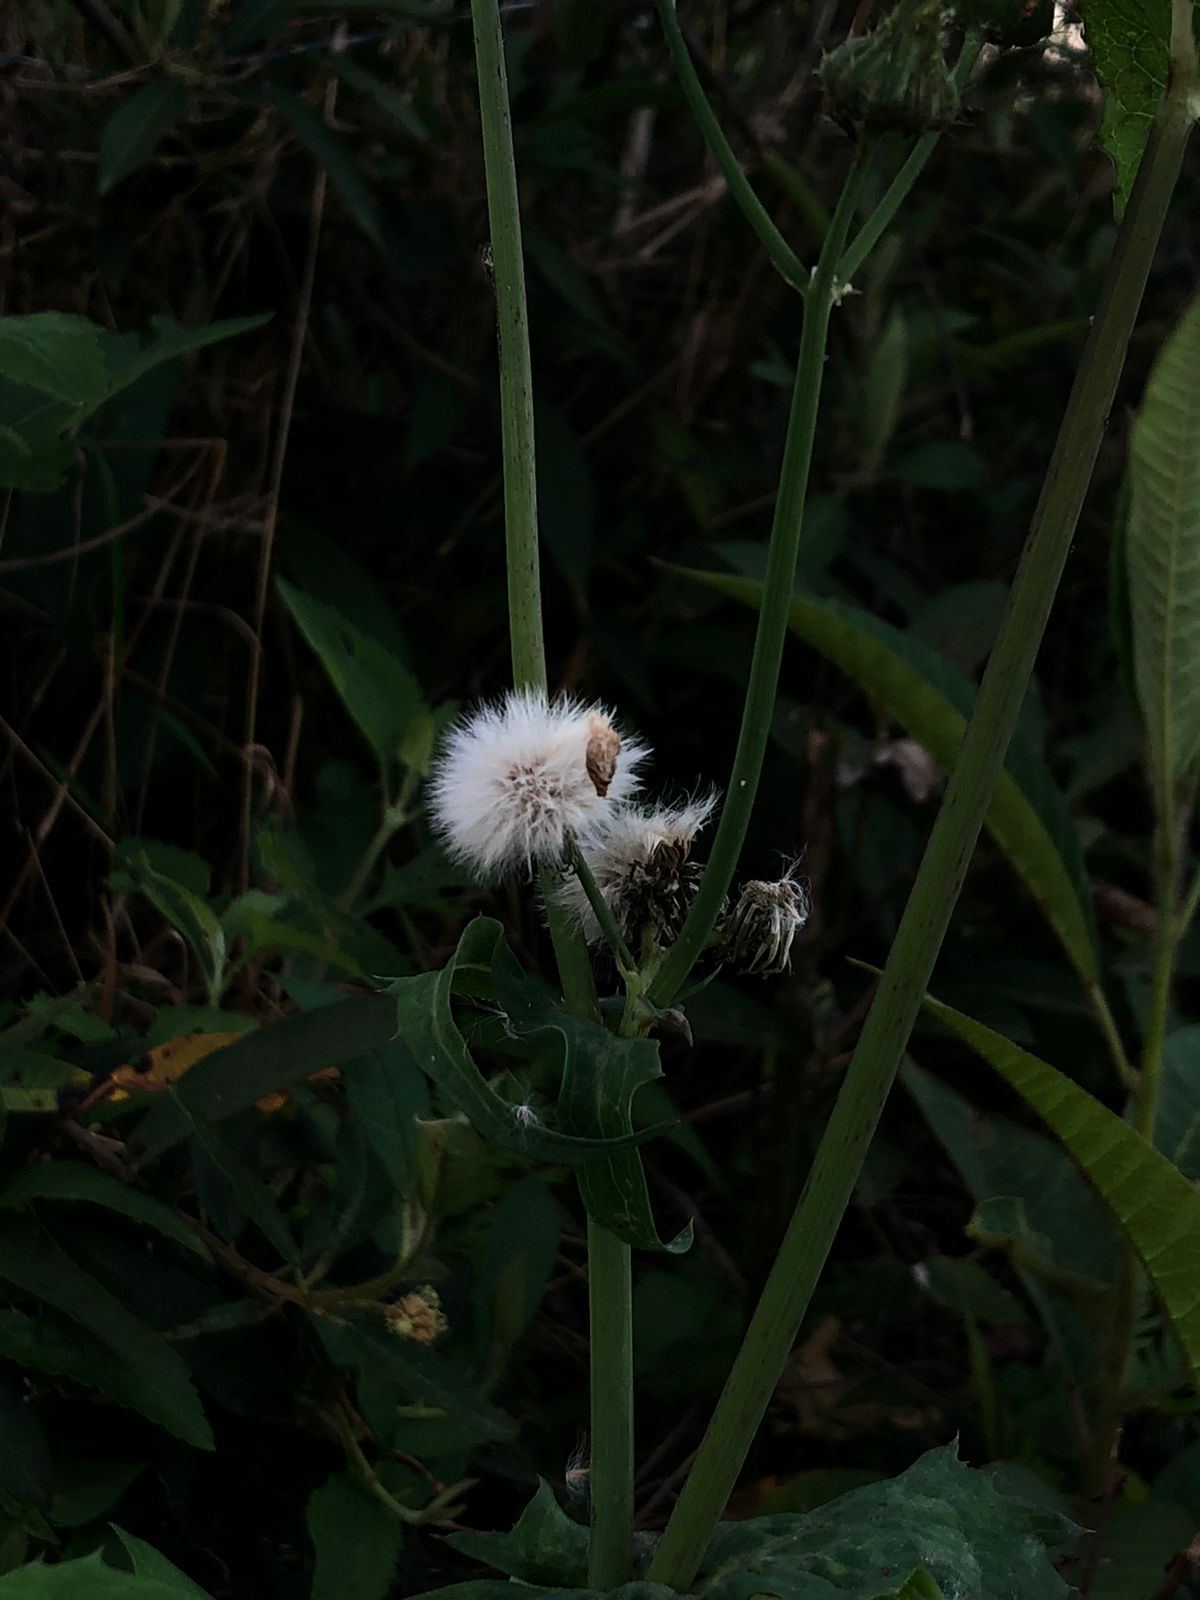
point(610, 1305)
point(1112, 1037)
point(783, 257)
point(894, 196)
point(516, 369)
point(847, 1137)
point(601, 910)
point(609, 1260)
point(774, 612)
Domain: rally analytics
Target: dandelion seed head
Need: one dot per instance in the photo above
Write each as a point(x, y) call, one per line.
point(640, 859)
point(516, 776)
point(577, 1477)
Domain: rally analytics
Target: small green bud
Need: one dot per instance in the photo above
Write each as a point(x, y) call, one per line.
point(895, 77)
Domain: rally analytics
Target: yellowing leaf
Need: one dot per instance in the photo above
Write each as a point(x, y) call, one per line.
point(166, 1063)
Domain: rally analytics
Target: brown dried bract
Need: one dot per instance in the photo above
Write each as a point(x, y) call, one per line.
point(603, 748)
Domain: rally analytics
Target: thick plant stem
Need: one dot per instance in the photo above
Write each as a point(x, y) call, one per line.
point(773, 615)
point(610, 1317)
point(516, 369)
point(869, 1077)
point(783, 257)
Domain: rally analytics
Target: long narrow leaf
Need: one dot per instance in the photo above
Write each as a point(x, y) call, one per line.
point(1163, 552)
point(931, 700)
point(1150, 1200)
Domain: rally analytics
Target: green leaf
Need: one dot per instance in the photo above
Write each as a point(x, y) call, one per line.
point(1028, 817)
point(90, 1579)
point(1150, 1200)
point(331, 152)
point(425, 1022)
point(356, 1539)
point(250, 1192)
point(1130, 41)
point(71, 1180)
point(151, 1564)
point(389, 100)
point(187, 913)
point(544, 1546)
point(939, 1524)
point(1163, 552)
point(87, 1489)
point(32, 1262)
point(263, 1062)
point(517, 1261)
point(430, 1378)
point(137, 127)
point(129, 356)
point(601, 1074)
point(26, 1472)
point(55, 354)
point(377, 690)
point(1177, 1133)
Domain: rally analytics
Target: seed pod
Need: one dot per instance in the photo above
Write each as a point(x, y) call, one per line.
point(894, 78)
point(758, 935)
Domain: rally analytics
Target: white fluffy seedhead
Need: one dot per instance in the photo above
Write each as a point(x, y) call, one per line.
point(640, 861)
point(514, 778)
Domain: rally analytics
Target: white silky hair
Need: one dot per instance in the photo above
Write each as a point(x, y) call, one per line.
point(512, 781)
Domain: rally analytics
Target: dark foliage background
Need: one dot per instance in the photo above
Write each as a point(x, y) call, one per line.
point(325, 168)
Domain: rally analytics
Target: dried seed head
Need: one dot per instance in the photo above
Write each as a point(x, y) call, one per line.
point(758, 934)
point(417, 1316)
point(513, 779)
point(641, 862)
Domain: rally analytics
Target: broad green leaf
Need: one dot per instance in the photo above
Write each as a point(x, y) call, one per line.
point(1028, 817)
point(137, 127)
point(263, 1062)
point(517, 1261)
point(998, 1158)
point(71, 1180)
point(544, 1545)
point(1163, 552)
point(1135, 1543)
point(150, 1563)
point(331, 152)
point(601, 1074)
point(356, 1539)
point(129, 356)
point(47, 1343)
point(85, 1489)
point(425, 1022)
point(1151, 1201)
point(939, 1525)
point(55, 354)
point(90, 1579)
point(377, 690)
point(35, 1264)
point(248, 1189)
point(1177, 1133)
point(429, 1377)
point(1129, 41)
point(26, 1472)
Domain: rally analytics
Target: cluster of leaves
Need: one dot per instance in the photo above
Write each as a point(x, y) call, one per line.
point(222, 1171)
